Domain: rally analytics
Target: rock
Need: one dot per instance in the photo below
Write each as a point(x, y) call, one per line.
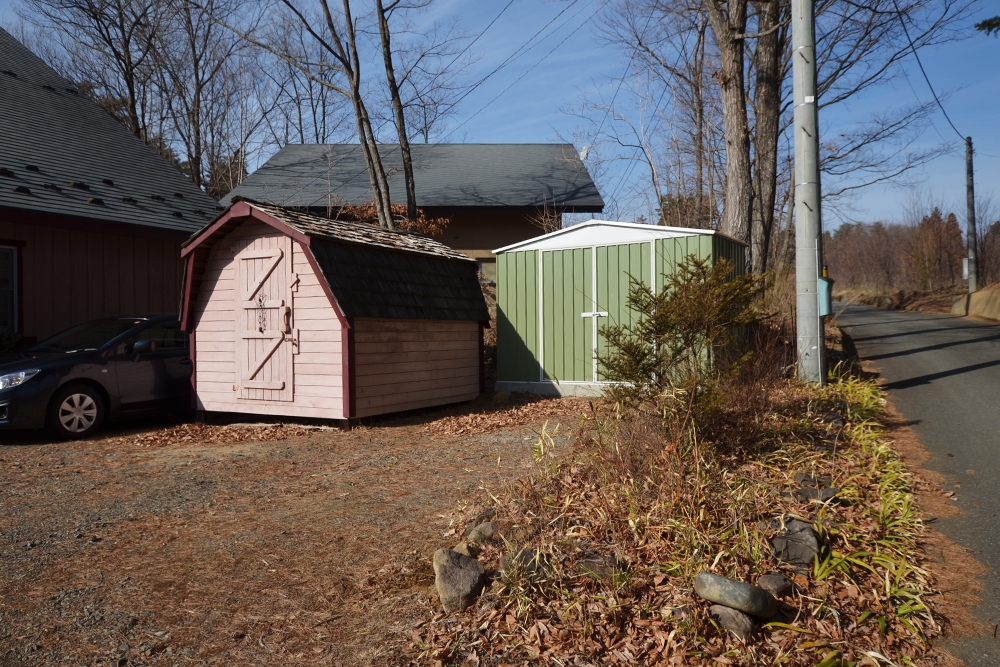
point(797, 544)
point(482, 517)
point(736, 594)
point(806, 479)
point(776, 584)
point(834, 420)
point(808, 493)
point(600, 566)
point(483, 533)
point(533, 564)
point(735, 621)
point(458, 579)
point(467, 549)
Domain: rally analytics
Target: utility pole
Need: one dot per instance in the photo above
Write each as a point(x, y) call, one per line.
point(808, 223)
point(970, 207)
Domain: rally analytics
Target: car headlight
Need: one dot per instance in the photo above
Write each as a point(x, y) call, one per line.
point(18, 378)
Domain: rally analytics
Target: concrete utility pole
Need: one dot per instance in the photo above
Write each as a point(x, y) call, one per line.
point(970, 207)
point(808, 223)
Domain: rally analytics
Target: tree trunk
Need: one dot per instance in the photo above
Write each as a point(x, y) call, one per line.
point(397, 107)
point(376, 172)
point(729, 26)
point(767, 103)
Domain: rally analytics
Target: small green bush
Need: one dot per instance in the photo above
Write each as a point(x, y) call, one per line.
point(685, 337)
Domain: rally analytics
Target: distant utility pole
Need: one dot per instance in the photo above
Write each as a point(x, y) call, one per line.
point(808, 223)
point(970, 208)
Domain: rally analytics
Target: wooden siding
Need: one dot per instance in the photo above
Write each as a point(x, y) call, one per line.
point(318, 364)
point(408, 364)
point(71, 273)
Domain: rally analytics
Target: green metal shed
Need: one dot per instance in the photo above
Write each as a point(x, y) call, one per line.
point(555, 291)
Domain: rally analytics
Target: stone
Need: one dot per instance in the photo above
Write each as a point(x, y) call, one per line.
point(776, 584)
point(483, 533)
point(806, 479)
point(808, 494)
point(530, 562)
point(733, 620)
point(458, 579)
point(834, 420)
point(482, 517)
point(797, 544)
point(736, 594)
point(467, 549)
point(600, 566)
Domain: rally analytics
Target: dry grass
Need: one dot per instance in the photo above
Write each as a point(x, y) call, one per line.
point(666, 510)
point(233, 545)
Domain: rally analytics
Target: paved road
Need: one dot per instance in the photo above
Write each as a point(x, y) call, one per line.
point(943, 373)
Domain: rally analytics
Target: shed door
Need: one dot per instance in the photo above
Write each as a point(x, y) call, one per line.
point(616, 266)
point(264, 335)
point(567, 315)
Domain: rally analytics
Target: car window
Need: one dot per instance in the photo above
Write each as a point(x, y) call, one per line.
point(167, 336)
point(87, 336)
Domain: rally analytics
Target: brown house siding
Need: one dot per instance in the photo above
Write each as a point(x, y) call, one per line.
point(75, 269)
point(478, 231)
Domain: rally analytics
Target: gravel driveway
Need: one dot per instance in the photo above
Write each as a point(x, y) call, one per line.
point(216, 545)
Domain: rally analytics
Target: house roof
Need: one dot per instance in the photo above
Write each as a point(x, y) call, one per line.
point(445, 175)
point(54, 137)
point(371, 272)
point(603, 232)
point(316, 226)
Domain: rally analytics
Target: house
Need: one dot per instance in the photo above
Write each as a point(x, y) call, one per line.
point(492, 193)
point(555, 292)
point(298, 315)
point(91, 219)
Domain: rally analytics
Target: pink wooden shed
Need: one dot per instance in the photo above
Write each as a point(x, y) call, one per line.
point(294, 314)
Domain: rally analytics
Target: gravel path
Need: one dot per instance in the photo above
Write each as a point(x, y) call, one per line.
point(313, 549)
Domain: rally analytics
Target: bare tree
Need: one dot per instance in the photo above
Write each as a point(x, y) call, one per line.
point(383, 12)
point(110, 46)
point(860, 45)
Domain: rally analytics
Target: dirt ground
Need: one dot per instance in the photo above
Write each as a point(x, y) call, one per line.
point(933, 301)
point(192, 544)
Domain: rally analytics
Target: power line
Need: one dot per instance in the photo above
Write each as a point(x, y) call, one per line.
point(906, 32)
point(469, 45)
point(528, 71)
point(635, 52)
point(521, 50)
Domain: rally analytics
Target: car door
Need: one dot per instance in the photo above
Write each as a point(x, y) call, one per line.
point(150, 378)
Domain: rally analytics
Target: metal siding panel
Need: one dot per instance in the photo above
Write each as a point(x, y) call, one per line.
point(549, 308)
point(529, 367)
point(586, 304)
point(506, 328)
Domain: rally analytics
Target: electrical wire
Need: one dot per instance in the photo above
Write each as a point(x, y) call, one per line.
point(528, 71)
point(906, 32)
point(524, 48)
point(635, 52)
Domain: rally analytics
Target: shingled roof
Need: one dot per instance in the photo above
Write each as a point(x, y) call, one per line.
point(445, 175)
point(60, 153)
point(372, 272)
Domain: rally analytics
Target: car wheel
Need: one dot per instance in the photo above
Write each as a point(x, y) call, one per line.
point(76, 411)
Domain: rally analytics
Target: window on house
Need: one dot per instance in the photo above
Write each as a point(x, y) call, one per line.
point(8, 289)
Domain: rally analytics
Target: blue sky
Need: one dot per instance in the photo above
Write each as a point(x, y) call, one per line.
point(527, 101)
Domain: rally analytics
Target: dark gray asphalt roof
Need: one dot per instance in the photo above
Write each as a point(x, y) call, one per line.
point(44, 123)
point(447, 175)
point(372, 281)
